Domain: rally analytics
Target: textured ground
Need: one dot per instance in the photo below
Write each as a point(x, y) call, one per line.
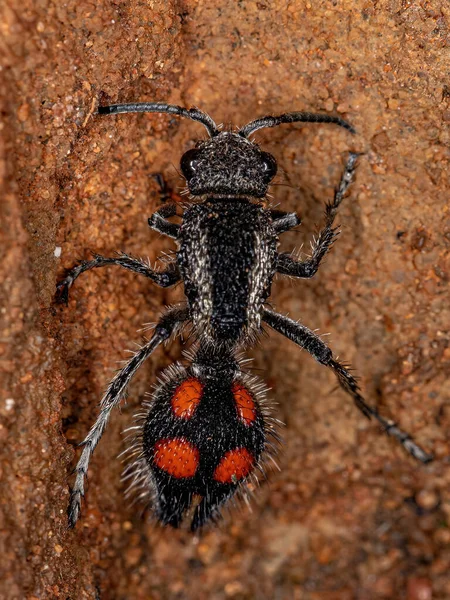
point(350, 516)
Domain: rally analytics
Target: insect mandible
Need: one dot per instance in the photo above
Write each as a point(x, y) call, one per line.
point(207, 429)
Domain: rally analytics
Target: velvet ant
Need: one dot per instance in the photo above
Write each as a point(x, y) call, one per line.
point(207, 428)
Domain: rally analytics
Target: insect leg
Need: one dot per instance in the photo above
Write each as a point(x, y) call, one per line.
point(164, 194)
point(165, 278)
point(158, 221)
point(284, 221)
point(312, 343)
point(115, 392)
point(287, 265)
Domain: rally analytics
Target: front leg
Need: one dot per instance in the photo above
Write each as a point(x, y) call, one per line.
point(284, 221)
point(308, 340)
point(286, 265)
point(166, 278)
point(158, 221)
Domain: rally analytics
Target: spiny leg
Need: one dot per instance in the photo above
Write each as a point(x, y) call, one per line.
point(308, 340)
point(287, 265)
point(165, 278)
point(115, 392)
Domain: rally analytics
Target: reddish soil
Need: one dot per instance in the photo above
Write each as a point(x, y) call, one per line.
point(350, 516)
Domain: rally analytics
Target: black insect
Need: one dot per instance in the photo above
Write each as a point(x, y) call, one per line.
point(207, 429)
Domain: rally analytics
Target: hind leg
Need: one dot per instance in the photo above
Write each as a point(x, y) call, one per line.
point(113, 396)
point(310, 342)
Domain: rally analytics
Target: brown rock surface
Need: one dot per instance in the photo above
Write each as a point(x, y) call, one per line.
point(349, 516)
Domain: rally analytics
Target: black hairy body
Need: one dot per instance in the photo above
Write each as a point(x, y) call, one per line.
point(227, 262)
point(207, 429)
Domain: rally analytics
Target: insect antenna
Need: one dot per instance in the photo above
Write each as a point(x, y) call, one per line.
point(159, 107)
point(293, 117)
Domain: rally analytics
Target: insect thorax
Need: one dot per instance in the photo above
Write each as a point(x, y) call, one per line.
point(226, 257)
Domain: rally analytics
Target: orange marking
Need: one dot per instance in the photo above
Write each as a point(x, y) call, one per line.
point(245, 405)
point(186, 398)
point(177, 457)
point(235, 465)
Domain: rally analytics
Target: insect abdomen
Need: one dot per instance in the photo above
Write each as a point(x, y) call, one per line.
point(202, 436)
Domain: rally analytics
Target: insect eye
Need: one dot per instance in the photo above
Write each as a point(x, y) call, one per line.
point(269, 165)
point(189, 163)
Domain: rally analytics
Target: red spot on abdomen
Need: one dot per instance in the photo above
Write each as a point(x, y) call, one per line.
point(234, 466)
point(245, 405)
point(176, 456)
point(186, 398)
